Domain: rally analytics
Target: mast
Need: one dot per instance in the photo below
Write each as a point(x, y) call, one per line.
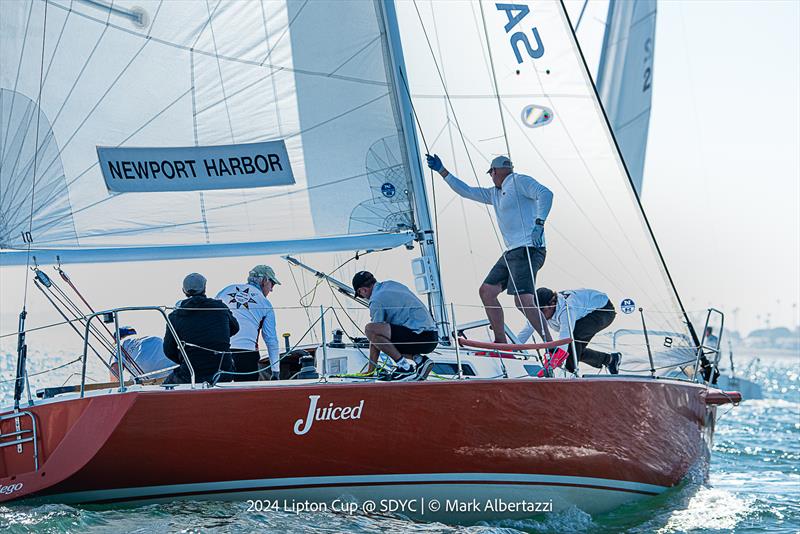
point(425, 233)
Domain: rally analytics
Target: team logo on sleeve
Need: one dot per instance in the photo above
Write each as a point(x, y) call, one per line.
point(242, 298)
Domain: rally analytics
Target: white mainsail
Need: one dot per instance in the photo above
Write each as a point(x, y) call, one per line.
point(173, 74)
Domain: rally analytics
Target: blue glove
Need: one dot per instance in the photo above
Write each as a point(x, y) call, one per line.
point(537, 234)
point(434, 163)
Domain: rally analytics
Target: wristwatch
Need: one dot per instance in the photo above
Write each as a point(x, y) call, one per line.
point(540, 222)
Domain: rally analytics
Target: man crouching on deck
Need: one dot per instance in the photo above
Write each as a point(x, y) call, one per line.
point(400, 326)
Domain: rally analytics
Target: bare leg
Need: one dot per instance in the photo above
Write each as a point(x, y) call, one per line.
point(494, 312)
point(527, 305)
point(379, 335)
point(374, 352)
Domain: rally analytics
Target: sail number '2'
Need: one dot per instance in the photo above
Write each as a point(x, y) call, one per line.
point(515, 14)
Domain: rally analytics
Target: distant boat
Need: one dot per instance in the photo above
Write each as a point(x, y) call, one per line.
point(739, 379)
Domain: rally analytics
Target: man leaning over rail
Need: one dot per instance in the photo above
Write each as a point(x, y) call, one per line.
point(205, 327)
point(589, 312)
point(521, 205)
point(400, 326)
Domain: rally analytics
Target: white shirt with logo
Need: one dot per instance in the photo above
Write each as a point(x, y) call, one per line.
point(581, 302)
point(517, 204)
point(254, 313)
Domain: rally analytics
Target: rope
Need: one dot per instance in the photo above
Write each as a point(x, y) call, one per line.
point(29, 238)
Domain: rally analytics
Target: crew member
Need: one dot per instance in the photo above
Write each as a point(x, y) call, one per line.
point(146, 351)
point(253, 310)
point(205, 327)
point(521, 205)
point(400, 326)
point(589, 312)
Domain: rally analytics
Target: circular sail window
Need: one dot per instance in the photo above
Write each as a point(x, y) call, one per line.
point(534, 116)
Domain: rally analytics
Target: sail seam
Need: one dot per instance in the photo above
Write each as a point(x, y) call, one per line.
point(164, 42)
point(16, 83)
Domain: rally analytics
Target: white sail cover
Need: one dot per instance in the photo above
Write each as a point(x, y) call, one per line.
point(625, 77)
point(497, 62)
point(78, 74)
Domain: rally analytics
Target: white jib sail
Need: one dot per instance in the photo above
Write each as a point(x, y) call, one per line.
point(476, 72)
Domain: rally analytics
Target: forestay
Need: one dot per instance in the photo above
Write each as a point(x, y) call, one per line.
point(161, 74)
point(476, 70)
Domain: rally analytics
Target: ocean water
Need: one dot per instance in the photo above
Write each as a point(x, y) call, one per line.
point(753, 485)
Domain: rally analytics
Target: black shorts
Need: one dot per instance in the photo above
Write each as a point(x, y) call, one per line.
point(409, 342)
point(516, 261)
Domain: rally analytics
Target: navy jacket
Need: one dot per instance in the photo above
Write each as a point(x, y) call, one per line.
point(207, 323)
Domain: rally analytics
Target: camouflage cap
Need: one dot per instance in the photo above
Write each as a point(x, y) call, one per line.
point(263, 271)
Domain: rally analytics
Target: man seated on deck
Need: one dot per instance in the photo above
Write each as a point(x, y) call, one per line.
point(205, 327)
point(589, 312)
point(251, 307)
point(400, 326)
point(146, 351)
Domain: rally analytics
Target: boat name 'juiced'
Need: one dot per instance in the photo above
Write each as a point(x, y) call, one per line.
point(328, 413)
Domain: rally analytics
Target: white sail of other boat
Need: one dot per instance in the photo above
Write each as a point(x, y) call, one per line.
point(618, 37)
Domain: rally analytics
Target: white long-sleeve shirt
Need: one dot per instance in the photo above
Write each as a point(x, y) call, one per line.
point(581, 303)
point(254, 313)
point(517, 204)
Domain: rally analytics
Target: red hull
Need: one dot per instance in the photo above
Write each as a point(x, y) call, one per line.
point(648, 432)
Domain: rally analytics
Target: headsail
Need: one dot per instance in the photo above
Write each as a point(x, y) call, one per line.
point(163, 74)
point(471, 91)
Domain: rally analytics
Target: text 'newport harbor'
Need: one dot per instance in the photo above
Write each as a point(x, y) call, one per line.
point(127, 170)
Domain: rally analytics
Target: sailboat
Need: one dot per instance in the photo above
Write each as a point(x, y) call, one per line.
point(126, 132)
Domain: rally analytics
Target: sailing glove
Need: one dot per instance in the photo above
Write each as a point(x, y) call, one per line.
point(537, 234)
point(434, 163)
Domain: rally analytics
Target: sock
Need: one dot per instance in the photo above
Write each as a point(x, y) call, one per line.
point(403, 364)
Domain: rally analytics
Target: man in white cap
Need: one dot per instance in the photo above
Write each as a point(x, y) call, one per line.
point(249, 304)
point(521, 206)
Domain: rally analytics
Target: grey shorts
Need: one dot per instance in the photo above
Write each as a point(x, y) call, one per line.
point(513, 270)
